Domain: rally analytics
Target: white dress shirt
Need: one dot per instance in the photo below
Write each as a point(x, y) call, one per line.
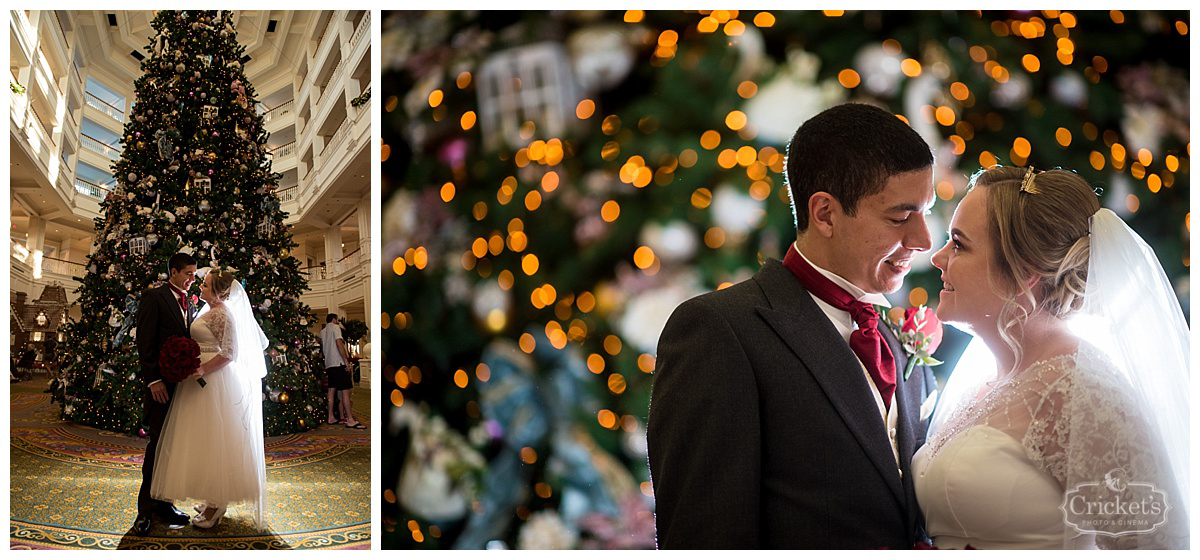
point(845, 325)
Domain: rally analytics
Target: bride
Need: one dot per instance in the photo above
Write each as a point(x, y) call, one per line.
point(1024, 457)
point(211, 448)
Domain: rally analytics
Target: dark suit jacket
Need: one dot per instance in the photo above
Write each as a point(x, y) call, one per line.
point(158, 318)
point(763, 432)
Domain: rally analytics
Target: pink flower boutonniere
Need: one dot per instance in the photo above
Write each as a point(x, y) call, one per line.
point(919, 334)
point(195, 299)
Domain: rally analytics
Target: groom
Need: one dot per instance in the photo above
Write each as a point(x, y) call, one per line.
point(164, 311)
point(780, 416)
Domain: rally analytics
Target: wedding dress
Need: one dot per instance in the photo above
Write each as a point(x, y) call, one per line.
point(1006, 458)
point(211, 448)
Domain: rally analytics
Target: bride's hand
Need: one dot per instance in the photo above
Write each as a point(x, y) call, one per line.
point(199, 370)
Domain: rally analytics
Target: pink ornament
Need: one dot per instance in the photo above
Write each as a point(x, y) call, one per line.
point(142, 432)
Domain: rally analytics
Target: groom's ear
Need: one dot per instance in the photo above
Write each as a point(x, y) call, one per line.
point(821, 209)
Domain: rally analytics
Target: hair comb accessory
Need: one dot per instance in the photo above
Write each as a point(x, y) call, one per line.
point(1027, 184)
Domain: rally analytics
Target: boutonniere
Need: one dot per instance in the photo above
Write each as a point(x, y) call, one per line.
point(195, 299)
point(920, 334)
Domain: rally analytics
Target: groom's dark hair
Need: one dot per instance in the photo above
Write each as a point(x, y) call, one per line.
point(330, 317)
point(850, 151)
point(180, 261)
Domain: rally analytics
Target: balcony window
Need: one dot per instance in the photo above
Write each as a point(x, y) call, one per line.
point(99, 139)
point(105, 99)
point(93, 181)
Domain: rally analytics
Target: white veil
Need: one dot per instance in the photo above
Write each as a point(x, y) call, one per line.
point(251, 367)
point(1131, 313)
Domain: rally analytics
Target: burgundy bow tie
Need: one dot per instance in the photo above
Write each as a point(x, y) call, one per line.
point(866, 342)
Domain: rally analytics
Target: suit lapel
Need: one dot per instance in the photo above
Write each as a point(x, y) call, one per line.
point(802, 325)
point(173, 304)
point(908, 398)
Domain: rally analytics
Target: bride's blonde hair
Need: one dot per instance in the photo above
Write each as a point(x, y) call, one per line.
point(222, 283)
point(1039, 225)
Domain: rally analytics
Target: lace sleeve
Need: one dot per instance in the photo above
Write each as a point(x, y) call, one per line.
point(221, 324)
point(1048, 434)
point(1112, 457)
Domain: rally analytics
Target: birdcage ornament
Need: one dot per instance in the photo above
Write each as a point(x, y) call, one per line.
point(138, 246)
point(279, 359)
point(533, 83)
point(203, 183)
point(209, 112)
point(265, 229)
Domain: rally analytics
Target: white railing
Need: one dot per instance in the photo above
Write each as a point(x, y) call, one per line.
point(277, 112)
point(58, 266)
point(62, 31)
point(347, 263)
point(38, 117)
point(337, 69)
point(314, 273)
point(361, 30)
point(336, 138)
point(289, 194)
point(111, 152)
point(328, 22)
point(284, 150)
point(70, 125)
point(103, 106)
point(66, 159)
point(49, 71)
point(19, 103)
point(91, 189)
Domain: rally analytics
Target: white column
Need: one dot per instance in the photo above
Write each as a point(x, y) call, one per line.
point(36, 242)
point(333, 251)
point(364, 251)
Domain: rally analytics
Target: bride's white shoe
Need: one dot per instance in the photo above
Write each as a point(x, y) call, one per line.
point(199, 508)
point(207, 523)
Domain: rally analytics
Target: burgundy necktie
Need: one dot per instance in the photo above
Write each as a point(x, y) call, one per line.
point(866, 342)
point(182, 298)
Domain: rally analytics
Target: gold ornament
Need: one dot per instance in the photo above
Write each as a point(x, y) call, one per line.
point(212, 156)
point(283, 253)
point(284, 398)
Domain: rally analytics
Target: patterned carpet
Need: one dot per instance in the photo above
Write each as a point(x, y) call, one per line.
point(74, 487)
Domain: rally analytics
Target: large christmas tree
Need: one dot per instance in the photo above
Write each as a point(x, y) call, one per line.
point(194, 176)
point(555, 183)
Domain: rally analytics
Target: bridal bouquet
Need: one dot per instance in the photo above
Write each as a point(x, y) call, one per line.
point(179, 359)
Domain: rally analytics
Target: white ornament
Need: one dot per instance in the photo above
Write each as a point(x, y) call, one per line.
point(1069, 88)
point(673, 242)
point(792, 97)
point(1013, 93)
point(736, 212)
point(601, 56)
point(879, 68)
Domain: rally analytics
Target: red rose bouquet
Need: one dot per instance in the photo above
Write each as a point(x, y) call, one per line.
point(179, 359)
